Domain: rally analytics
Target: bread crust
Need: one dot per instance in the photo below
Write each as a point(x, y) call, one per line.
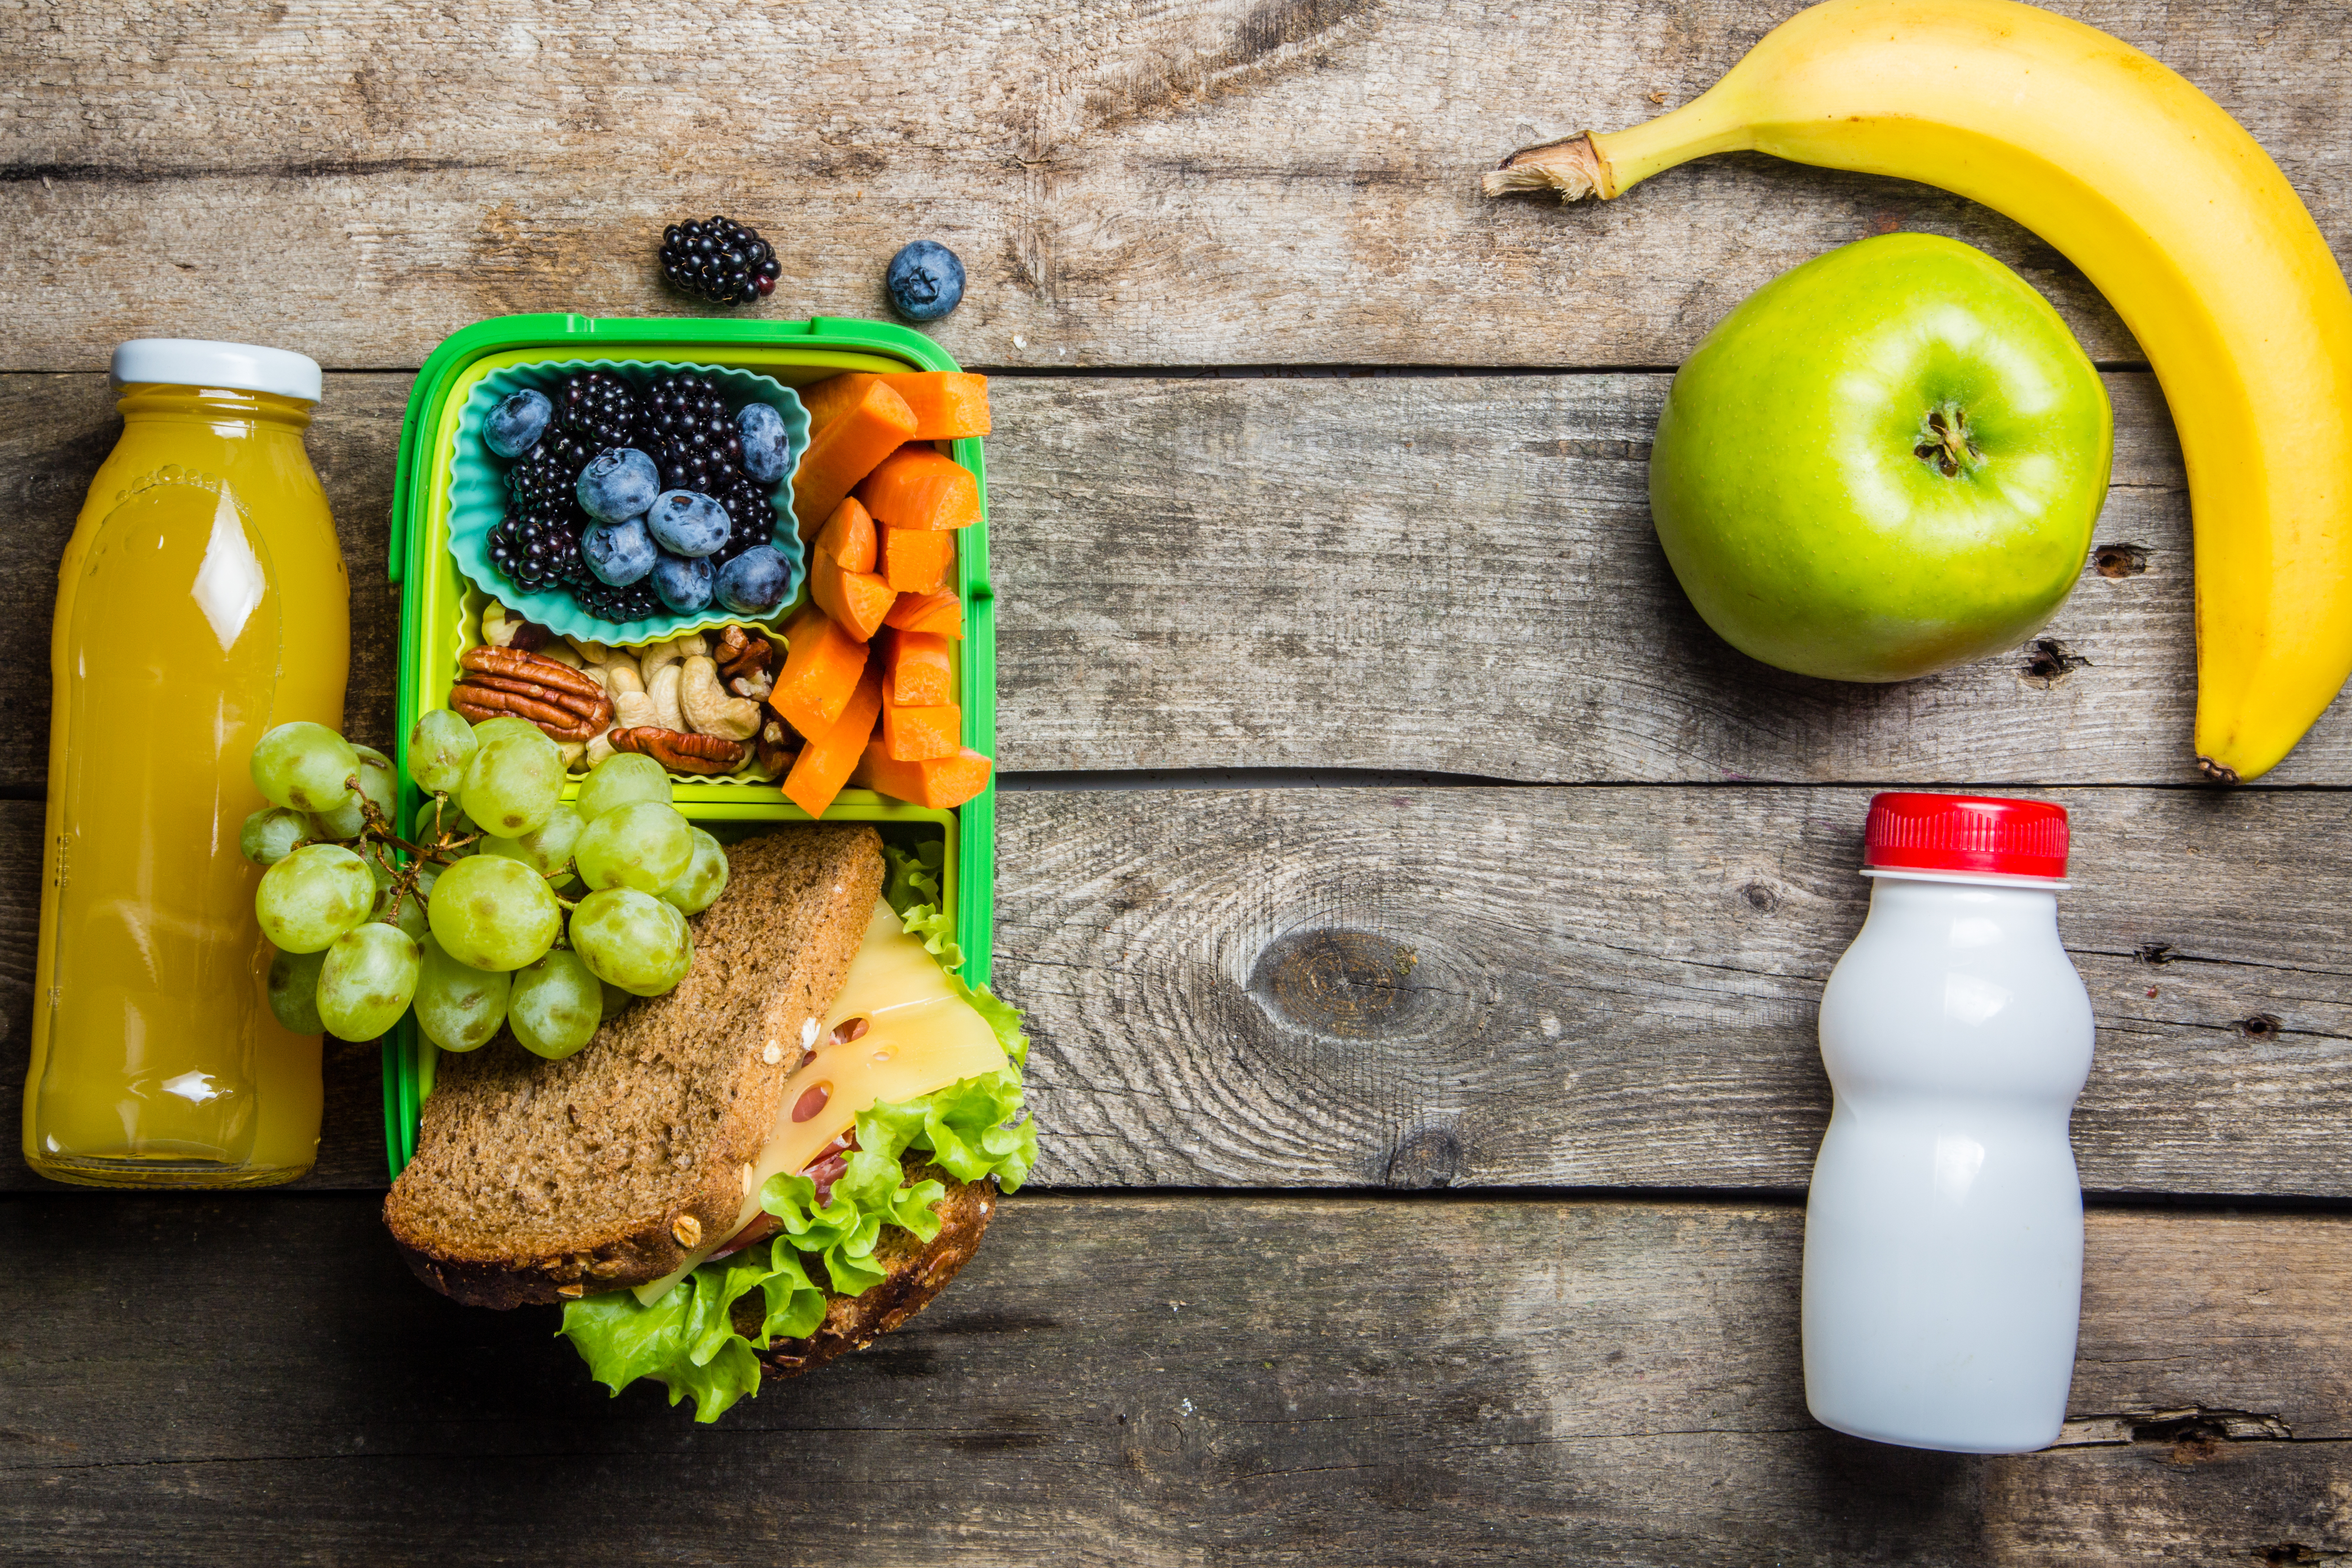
point(455, 1220)
point(918, 1271)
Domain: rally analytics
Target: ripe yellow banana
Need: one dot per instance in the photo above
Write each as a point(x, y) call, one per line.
point(2171, 210)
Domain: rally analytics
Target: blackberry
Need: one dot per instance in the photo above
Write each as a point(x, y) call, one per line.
point(748, 509)
point(598, 406)
point(551, 468)
point(719, 260)
point(634, 603)
point(689, 431)
point(537, 545)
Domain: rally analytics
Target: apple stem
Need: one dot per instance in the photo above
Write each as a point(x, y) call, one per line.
point(1946, 443)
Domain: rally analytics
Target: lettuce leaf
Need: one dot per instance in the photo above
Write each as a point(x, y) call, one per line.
point(973, 1128)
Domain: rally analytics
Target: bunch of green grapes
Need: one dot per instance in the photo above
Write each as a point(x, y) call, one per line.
point(467, 919)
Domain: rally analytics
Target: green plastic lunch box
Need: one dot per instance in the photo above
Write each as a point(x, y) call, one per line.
point(440, 611)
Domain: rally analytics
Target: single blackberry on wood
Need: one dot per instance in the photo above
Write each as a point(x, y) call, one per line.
point(688, 430)
point(551, 468)
point(719, 260)
point(598, 406)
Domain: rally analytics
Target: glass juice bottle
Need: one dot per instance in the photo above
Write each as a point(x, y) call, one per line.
point(201, 601)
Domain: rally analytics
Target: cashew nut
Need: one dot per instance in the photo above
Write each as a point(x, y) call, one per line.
point(707, 706)
point(499, 624)
point(656, 657)
point(573, 752)
point(662, 685)
point(599, 749)
point(560, 652)
point(589, 651)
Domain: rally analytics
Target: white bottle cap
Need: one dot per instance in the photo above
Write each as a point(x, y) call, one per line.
point(193, 361)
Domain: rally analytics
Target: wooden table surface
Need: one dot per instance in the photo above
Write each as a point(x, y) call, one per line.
point(1421, 915)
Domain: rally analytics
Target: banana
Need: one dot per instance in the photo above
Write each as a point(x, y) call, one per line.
point(2171, 210)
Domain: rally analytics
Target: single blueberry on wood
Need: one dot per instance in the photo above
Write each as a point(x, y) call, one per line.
point(925, 280)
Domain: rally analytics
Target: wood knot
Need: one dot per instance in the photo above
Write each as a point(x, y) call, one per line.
point(2158, 952)
point(2048, 662)
point(1760, 898)
point(1353, 984)
point(2261, 1027)
point(1425, 1157)
point(2120, 560)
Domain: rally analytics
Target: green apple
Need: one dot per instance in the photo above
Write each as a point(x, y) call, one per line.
point(1885, 462)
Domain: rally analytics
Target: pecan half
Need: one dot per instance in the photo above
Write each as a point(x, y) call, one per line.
point(517, 665)
point(680, 752)
point(475, 703)
point(776, 746)
point(743, 654)
point(598, 709)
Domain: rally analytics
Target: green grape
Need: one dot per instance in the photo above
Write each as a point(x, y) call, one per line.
point(621, 779)
point(703, 880)
point(427, 874)
point(439, 819)
point(304, 767)
point(493, 913)
point(271, 833)
point(439, 747)
point(633, 939)
point(379, 782)
point(546, 848)
point(557, 1006)
point(366, 981)
point(499, 725)
point(457, 1005)
point(646, 846)
point(312, 897)
point(616, 1001)
point(514, 783)
point(294, 991)
point(409, 916)
point(340, 825)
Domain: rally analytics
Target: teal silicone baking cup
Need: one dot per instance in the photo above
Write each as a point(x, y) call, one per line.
point(478, 497)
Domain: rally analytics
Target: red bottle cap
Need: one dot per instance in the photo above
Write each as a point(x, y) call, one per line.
point(1970, 833)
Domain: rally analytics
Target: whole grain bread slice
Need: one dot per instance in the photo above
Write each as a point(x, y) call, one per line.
point(537, 1181)
point(918, 1271)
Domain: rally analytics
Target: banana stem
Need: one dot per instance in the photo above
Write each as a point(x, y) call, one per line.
point(1609, 164)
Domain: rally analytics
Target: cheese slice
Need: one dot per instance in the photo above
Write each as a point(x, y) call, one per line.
point(920, 1037)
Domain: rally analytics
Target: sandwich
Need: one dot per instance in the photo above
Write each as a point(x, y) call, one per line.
point(776, 1163)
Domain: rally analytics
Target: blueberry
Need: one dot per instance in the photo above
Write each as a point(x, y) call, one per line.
point(754, 581)
point(683, 583)
point(926, 282)
point(685, 523)
point(766, 447)
point(517, 423)
point(618, 482)
point(618, 552)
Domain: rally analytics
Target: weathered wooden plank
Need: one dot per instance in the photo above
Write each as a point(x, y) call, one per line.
point(1212, 181)
point(1153, 1381)
point(1570, 987)
point(1449, 573)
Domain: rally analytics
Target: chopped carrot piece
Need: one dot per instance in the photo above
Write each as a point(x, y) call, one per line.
point(947, 402)
point(848, 536)
point(835, 395)
point(915, 487)
point(855, 600)
point(915, 734)
point(825, 764)
point(848, 447)
point(917, 560)
point(933, 781)
point(941, 612)
point(919, 670)
point(821, 665)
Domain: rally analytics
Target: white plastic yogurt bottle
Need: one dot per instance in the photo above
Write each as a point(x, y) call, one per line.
point(1944, 1231)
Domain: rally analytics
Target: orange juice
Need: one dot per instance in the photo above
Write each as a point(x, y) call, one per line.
point(202, 600)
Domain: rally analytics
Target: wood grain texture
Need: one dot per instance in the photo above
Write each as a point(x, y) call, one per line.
point(1570, 987)
point(1203, 182)
point(1594, 987)
point(1445, 574)
point(1153, 1381)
